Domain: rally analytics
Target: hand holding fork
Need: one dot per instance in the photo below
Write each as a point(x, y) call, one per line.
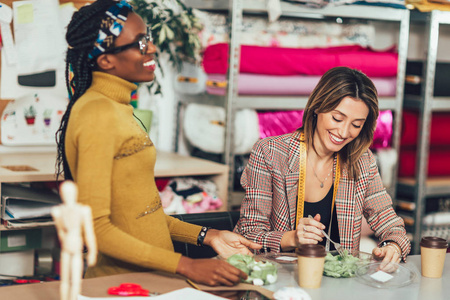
point(338, 246)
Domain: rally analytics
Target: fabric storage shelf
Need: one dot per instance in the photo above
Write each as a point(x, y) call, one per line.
point(175, 165)
point(414, 78)
point(437, 186)
point(271, 102)
point(295, 10)
point(40, 167)
point(421, 186)
point(233, 101)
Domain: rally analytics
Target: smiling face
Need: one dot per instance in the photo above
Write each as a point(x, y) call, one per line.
point(130, 64)
point(339, 127)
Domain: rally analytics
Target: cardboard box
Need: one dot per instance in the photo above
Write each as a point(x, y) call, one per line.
point(20, 240)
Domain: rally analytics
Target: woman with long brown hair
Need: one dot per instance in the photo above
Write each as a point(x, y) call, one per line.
point(324, 169)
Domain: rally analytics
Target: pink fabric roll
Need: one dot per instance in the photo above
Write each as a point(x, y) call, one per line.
point(382, 137)
point(440, 127)
point(273, 123)
point(438, 161)
point(302, 85)
point(256, 84)
point(296, 61)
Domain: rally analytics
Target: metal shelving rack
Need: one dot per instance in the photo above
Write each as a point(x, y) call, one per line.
point(419, 188)
point(232, 101)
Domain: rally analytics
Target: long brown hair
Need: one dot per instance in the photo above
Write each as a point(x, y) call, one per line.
point(335, 85)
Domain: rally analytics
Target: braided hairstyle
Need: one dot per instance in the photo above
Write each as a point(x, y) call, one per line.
point(81, 35)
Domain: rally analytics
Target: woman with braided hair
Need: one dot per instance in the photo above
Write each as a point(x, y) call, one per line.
point(103, 149)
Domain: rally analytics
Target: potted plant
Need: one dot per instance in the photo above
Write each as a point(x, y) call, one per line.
point(47, 116)
point(175, 31)
point(30, 114)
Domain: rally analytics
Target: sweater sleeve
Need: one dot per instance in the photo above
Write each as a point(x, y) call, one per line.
point(96, 146)
point(182, 231)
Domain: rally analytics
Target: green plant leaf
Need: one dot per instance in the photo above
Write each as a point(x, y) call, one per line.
point(175, 30)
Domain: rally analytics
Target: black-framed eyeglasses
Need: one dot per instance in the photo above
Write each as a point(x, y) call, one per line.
point(142, 44)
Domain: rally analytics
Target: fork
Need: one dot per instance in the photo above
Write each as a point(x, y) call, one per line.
point(338, 246)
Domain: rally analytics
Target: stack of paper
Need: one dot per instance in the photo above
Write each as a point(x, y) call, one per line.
point(26, 207)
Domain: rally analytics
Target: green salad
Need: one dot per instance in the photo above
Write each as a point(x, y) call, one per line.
point(340, 266)
point(259, 272)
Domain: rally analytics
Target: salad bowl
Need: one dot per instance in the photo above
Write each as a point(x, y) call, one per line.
point(260, 271)
point(345, 266)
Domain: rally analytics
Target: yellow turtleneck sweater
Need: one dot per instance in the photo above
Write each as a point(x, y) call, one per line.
point(112, 160)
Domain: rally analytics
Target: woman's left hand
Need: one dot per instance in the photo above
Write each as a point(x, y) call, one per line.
point(389, 257)
point(227, 243)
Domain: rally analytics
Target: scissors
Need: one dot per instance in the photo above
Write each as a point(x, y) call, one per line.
point(129, 289)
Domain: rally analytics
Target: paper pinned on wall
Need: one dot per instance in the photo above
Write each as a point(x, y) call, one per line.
point(5, 13)
point(40, 47)
point(38, 36)
point(9, 86)
point(25, 14)
point(32, 119)
point(7, 39)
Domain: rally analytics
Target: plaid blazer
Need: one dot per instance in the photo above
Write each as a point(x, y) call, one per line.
point(270, 180)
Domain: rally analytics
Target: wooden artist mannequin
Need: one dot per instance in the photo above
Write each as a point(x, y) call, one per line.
point(74, 226)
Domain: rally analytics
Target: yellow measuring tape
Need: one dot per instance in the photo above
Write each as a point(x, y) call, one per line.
point(302, 177)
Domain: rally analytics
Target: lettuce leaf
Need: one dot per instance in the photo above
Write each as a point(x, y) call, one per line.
point(340, 266)
point(259, 272)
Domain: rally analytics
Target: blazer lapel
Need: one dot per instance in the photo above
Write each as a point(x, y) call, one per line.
point(291, 179)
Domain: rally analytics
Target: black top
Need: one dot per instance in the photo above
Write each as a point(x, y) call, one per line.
point(323, 207)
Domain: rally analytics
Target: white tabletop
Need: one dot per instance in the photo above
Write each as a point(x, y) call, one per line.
point(350, 288)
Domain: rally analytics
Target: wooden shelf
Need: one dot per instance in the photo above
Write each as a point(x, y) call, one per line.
point(41, 167)
point(171, 164)
point(431, 182)
point(436, 186)
point(437, 104)
point(271, 102)
point(174, 165)
point(36, 167)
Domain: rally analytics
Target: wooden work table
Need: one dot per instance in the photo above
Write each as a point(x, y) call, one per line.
point(97, 287)
point(421, 288)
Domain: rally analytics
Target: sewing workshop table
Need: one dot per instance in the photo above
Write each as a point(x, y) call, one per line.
point(331, 289)
point(350, 288)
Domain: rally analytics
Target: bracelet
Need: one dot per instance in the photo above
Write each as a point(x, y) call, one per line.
point(201, 236)
point(394, 244)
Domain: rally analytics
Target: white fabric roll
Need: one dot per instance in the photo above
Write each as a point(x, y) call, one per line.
point(204, 128)
point(190, 80)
